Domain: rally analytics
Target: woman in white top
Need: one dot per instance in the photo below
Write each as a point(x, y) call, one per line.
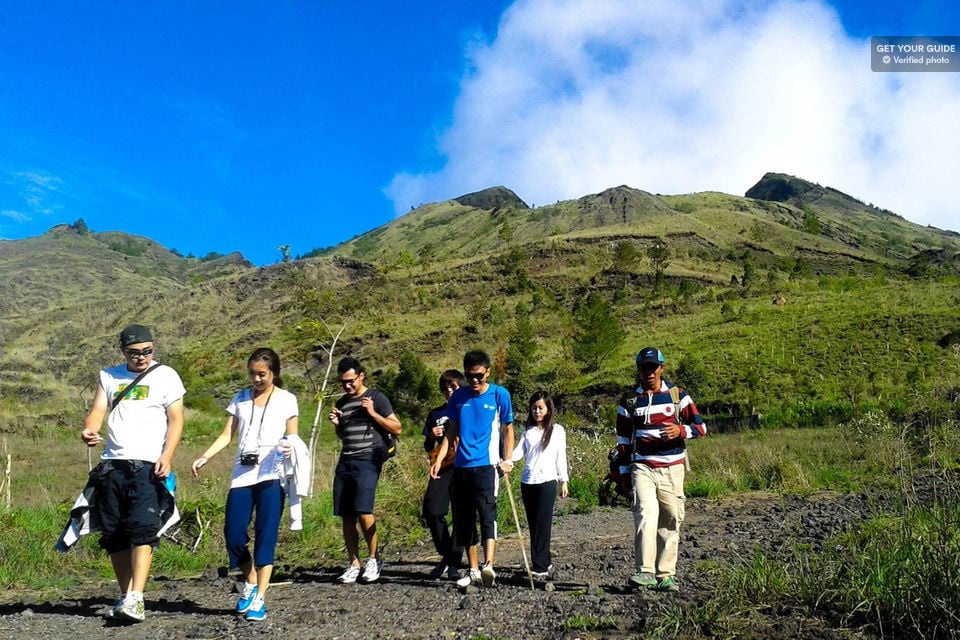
point(543, 449)
point(262, 416)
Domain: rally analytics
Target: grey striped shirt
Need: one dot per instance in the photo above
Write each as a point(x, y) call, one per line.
point(358, 432)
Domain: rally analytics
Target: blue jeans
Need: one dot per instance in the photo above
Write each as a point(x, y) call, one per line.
point(267, 499)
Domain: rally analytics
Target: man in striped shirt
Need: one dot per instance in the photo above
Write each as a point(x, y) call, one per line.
point(655, 420)
point(360, 417)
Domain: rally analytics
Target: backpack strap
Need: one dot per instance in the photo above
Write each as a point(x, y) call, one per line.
point(675, 397)
point(631, 403)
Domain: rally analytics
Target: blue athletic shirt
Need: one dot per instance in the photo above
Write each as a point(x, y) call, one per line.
point(480, 418)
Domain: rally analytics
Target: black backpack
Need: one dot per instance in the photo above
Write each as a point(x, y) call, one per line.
point(390, 444)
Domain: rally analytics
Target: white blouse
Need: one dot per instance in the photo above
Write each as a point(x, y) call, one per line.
point(541, 465)
point(259, 430)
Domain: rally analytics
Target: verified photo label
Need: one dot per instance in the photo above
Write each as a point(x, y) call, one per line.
point(915, 53)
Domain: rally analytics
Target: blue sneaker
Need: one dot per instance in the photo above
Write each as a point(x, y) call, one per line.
point(246, 598)
point(257, 610)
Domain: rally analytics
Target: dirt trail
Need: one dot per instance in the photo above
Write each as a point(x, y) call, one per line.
point(593, 555)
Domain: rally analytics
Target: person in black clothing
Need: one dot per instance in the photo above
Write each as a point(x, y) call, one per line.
point(436, 499)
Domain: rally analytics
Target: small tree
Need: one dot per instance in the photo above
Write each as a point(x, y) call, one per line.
point(626, 255)
point(520, 352)
point(659, 254)
point(513, 266)
point(80, 226)
point(692, 374)
point(427, 254)
point(749, 271)
point(811, 223)
point(499, 365)
point(412, 388)
point(566, 374)
point(311, 335)
point(598, 332)
point(505, 232)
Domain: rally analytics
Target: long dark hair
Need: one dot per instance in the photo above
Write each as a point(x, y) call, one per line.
point(268, 355)
point(540, 394)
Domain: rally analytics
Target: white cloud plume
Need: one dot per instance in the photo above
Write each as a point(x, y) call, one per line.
point(572, 97)
point(39, 191)
point(16, 216)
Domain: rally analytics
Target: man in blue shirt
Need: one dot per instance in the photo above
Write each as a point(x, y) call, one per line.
point(480, 415)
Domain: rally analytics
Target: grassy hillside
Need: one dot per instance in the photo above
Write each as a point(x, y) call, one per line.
point(803, 309)
point(798, 303)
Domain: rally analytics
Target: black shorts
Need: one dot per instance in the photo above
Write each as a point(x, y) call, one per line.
point(128, 501)
point(355, 486)
point(475, 494)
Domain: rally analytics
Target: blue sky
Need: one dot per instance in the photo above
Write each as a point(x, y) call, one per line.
point(212, 126)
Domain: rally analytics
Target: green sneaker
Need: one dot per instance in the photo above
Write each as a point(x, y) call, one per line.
point(642, 579)
point(667, 584)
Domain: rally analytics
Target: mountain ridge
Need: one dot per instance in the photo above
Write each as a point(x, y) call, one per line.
point(441, 278)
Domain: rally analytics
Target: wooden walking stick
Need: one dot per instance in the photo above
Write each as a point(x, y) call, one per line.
point(516, 519)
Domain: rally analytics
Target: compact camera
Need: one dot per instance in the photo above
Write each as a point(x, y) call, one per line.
point(249, 459)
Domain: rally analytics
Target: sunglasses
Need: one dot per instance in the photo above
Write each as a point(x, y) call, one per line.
point(141, 353)
point(350, 382)
point(475, 376)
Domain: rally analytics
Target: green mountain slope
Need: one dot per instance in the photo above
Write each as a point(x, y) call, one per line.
point(806, 297)
point(65, 266)
point(822, 226)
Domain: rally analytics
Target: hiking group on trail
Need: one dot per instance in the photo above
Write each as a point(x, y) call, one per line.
point(129, 496)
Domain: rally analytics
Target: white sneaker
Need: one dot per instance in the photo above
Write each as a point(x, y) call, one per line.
point(131, 609)
point(371, 572)
point(472, 577)
point(350, 575)
point(488, 575)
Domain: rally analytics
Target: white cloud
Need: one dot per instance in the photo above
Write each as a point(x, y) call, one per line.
point(572, 97)
point(16, 216)
point(38, 190)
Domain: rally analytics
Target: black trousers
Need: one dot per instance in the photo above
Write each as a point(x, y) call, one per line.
point(436, 503)
point(538, 501)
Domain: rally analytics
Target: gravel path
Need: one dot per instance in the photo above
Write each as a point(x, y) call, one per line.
point(592, 553)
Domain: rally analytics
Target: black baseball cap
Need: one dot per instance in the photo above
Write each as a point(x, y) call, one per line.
point(135, 334)
point(649, 355)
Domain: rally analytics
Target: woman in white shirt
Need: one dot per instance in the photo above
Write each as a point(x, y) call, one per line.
point(263, 416)
point(543, 449)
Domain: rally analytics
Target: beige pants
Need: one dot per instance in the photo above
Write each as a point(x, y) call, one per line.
point(658, 510)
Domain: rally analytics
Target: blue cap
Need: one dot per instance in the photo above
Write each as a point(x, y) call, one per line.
point(649, 355)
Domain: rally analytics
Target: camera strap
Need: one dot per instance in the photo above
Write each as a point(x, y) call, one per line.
point(253, 407)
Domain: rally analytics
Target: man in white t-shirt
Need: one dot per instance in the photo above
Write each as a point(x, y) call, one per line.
point(143, 403)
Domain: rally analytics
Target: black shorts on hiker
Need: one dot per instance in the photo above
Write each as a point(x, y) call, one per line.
point(128, 501)
point(475, 494)
point(355, 486)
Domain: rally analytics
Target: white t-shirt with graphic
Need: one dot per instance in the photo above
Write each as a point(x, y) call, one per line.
point(259, 429)
point(137, 426)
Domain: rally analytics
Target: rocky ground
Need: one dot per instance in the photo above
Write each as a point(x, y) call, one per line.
point(593, 556)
